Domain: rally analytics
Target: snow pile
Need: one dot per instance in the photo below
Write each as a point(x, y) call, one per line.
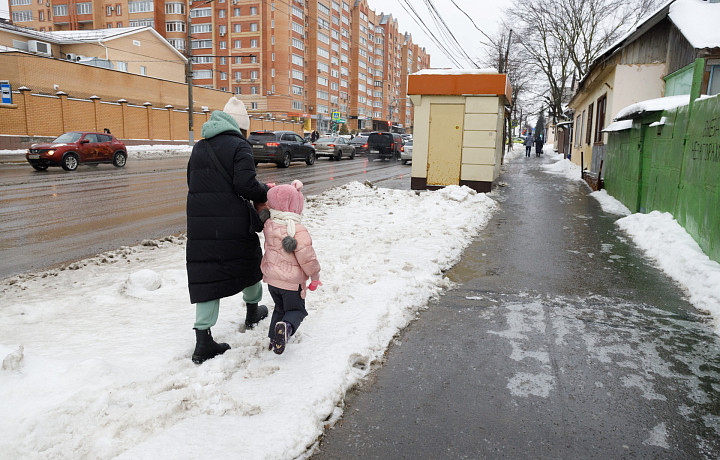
point(96, 358)
point(135, 151)
point(698, 21)
point(678, 255)
point(563, 167)
point(609, 204)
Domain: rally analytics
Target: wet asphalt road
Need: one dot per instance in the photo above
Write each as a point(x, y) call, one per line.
point(560, 341)
point(54, 217)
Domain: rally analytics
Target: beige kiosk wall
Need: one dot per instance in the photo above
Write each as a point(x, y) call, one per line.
point(445, 144)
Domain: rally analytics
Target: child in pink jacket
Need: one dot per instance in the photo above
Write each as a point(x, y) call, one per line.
point(288, 262)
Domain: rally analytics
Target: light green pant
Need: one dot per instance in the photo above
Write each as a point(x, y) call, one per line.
point(206, 313)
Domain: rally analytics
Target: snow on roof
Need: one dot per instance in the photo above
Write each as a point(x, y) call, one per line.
point(662, 121)
point(653, 105)
point(454, 71)
point(96, 34)
point(618, 126)
point(698, 21)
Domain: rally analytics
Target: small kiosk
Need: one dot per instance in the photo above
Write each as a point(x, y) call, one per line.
point(458, 127)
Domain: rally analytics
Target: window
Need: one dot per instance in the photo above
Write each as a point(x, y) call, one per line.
point(121, 66)
point(237, 90)
point(200, 28)
point(139, 6)
point(85, 8)
point(174, 8)
point(272, 73)
point(296, 74)
point(142, 23)
point(223, 45)
point(297, 105)
point(297, 60)
point(297, 12)
point(199, 44)
point(254, 75)
point(236, 11)
point(322, 81)
point(223, 75)
point(600, 119)
point(323, 53)
point(254, 27)
point(109, 10)
point(322, 66)
point(108, 25)
point(297, 90)
point(221, 13)
point(237, 28)
point(59, 10)
point(296, 43)
point(178, 43)
point(202, 74)
point(143, 70)
point(253, 90)
point(201, 13)
point(202, 59)
point(588, 134)
point(238, 76)
point(237, 44)
point(323, 38)
point(253, 43)
point(22, 16)
point(254, 105)
point(323, 8)
point(253, 11)
point(20, 2)
point(118, 12)
point(297, 27)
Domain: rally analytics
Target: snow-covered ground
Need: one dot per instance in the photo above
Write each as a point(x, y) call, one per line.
point(95, 356)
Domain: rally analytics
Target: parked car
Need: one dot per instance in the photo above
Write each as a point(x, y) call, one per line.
point(334, 147)
point(384, 145)
point(280, 147)
point(406, 154)
point(361, 144)
point(73, 148)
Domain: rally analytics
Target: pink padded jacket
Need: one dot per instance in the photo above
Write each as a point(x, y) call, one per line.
point(288, 270)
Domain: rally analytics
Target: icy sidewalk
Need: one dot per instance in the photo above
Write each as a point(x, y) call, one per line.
point(104, 368)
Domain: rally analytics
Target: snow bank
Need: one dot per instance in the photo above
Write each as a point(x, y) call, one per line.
point(677, 254)
point(96, 356)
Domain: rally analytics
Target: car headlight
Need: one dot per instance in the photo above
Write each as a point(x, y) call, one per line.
point(50, 152)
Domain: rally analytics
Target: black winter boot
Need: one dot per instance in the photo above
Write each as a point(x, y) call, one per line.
point(206, 348)
point(255, 314)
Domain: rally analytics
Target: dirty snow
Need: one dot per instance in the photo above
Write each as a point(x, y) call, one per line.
point(134, 151)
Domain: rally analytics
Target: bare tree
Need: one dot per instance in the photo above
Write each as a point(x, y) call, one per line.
point(561, 38)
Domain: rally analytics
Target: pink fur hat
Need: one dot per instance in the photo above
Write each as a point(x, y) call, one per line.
point(288, 198)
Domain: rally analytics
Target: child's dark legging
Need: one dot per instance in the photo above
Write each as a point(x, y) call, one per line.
point(289, 307)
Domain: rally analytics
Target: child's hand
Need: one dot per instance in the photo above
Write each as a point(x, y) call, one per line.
point(270, 185)
point(314, 285)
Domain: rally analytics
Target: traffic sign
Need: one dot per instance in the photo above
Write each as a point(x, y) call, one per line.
point(336, 115)
point(6, 92)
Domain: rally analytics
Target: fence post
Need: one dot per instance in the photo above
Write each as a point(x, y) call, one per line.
point(169, 109)
point(64, 112)
point(148, 114)
point(25, 93)
point(96, 108)
point(123, 112)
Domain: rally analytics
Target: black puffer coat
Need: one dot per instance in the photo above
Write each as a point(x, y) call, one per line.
point(223, 254)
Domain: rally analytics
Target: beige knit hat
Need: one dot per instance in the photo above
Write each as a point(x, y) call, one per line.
point(236, 109)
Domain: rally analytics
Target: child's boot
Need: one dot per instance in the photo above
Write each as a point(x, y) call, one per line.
point(255, 314)
point(206, 348)
point(283, 331)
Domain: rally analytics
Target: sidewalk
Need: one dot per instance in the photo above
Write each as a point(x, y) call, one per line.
point(560, 340)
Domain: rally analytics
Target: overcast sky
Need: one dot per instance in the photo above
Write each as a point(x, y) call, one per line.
point(484, 13)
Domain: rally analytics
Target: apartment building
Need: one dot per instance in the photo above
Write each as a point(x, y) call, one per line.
point(323, 61)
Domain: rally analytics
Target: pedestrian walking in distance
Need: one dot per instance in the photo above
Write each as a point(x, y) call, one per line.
point(288, 262)
point(539, 145)
point(528, 144)
point(223, 251)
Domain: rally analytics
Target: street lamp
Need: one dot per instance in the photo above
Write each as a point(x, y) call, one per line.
point(189, 73)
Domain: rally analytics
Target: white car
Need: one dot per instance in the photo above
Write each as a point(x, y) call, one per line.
point(406, 154)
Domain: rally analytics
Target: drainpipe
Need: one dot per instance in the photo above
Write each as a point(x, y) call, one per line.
point(106, 50)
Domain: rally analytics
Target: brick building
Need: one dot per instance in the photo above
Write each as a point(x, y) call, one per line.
point(286, 58)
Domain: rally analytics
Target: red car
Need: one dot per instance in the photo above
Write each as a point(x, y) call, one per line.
point(75, 147)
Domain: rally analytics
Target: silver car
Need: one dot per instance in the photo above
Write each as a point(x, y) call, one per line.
point(406, 154)
point(334, 147)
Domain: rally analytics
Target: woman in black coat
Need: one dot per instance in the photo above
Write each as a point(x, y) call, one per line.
point(538, 145)
point(223, 252)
